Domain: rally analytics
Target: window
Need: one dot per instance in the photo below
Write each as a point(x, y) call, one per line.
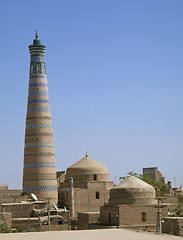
point(31, 69)
point(95, 177)
point(143, 216)
point(38, 69)
point(97, 195)
point(109, 218)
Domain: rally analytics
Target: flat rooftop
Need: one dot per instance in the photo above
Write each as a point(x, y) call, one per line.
point(104, 234)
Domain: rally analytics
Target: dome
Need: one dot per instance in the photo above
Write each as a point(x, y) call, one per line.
point(36, 41)
point(87, 169)
point(132, 190)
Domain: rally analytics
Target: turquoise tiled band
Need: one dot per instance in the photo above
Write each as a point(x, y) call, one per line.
point(38, 109)
point(38, 93)
point(37, 84)
point(37, 59)
point(40, 188)
point(37, 125)
point(38, 101)
point(37, 165)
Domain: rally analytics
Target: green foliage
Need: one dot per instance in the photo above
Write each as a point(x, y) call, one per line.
point(161, 188)
point(3, 226)
point(177, 211)
point(129, 174)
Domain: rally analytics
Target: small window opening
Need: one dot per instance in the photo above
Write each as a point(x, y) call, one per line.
point(95, 177)
point(37, 88)
point(97, 195)
point(109, 218)
point(31, 69)
point(143, 216)
point(38, 69)
point(37, 138)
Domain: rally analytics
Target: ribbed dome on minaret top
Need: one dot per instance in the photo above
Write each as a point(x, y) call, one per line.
point(36, 40)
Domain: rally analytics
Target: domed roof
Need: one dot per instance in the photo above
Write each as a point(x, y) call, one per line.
point(90, 165)
point(133, 182)
point(86, 168)
point(132, 190)
point(36, 40)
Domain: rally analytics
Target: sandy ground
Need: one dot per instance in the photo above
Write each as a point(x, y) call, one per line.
point(105, 234)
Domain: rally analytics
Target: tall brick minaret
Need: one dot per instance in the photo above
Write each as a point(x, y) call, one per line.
point(39, 175)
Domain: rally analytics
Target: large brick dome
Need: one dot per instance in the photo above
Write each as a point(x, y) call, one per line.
point(87, 169)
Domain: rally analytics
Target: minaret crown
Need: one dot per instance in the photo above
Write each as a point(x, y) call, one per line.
point(36, 40)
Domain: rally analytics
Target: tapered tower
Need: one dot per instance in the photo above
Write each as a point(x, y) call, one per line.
point(39, 175)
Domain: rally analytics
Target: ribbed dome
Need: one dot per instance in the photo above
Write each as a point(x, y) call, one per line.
point(86, 168)
point(132, 190)
point(36, 41)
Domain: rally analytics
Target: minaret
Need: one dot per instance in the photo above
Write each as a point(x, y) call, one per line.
point(39, 176)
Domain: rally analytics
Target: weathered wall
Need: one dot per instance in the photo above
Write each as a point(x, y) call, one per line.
point(85, 198)
point(130, 215)
point(84, 219)
point(173, 225)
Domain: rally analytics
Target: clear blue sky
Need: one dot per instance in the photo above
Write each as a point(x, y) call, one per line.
point(115, 78)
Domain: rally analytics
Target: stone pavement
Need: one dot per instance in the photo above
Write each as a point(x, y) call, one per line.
point(104, 234)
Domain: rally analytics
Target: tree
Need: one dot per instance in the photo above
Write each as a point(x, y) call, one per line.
point(3, 226)
point(161, 188)
point(177, 211)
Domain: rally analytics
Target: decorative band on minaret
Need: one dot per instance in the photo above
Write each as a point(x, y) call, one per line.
point(39, 176)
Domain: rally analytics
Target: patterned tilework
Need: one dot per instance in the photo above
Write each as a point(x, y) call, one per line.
point(39, 144)
point(38, 93)
point(38, 109)
point(37, 84)
point(39, 164)
point(38, 101)
point(40, 188)
point(39, 157)
point(37, 58)
point(37, 125)
point(36, 76)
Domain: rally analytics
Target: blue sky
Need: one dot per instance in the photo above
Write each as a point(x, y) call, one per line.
point(115, 78)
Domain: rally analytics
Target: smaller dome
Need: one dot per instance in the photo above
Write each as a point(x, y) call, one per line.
point(133, 182)
point(36, 41)
point(86, 168)
point(132, 190)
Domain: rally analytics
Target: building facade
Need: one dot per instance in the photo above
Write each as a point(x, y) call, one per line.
point(132, 204)
point(90, 187)
point(153, 173)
